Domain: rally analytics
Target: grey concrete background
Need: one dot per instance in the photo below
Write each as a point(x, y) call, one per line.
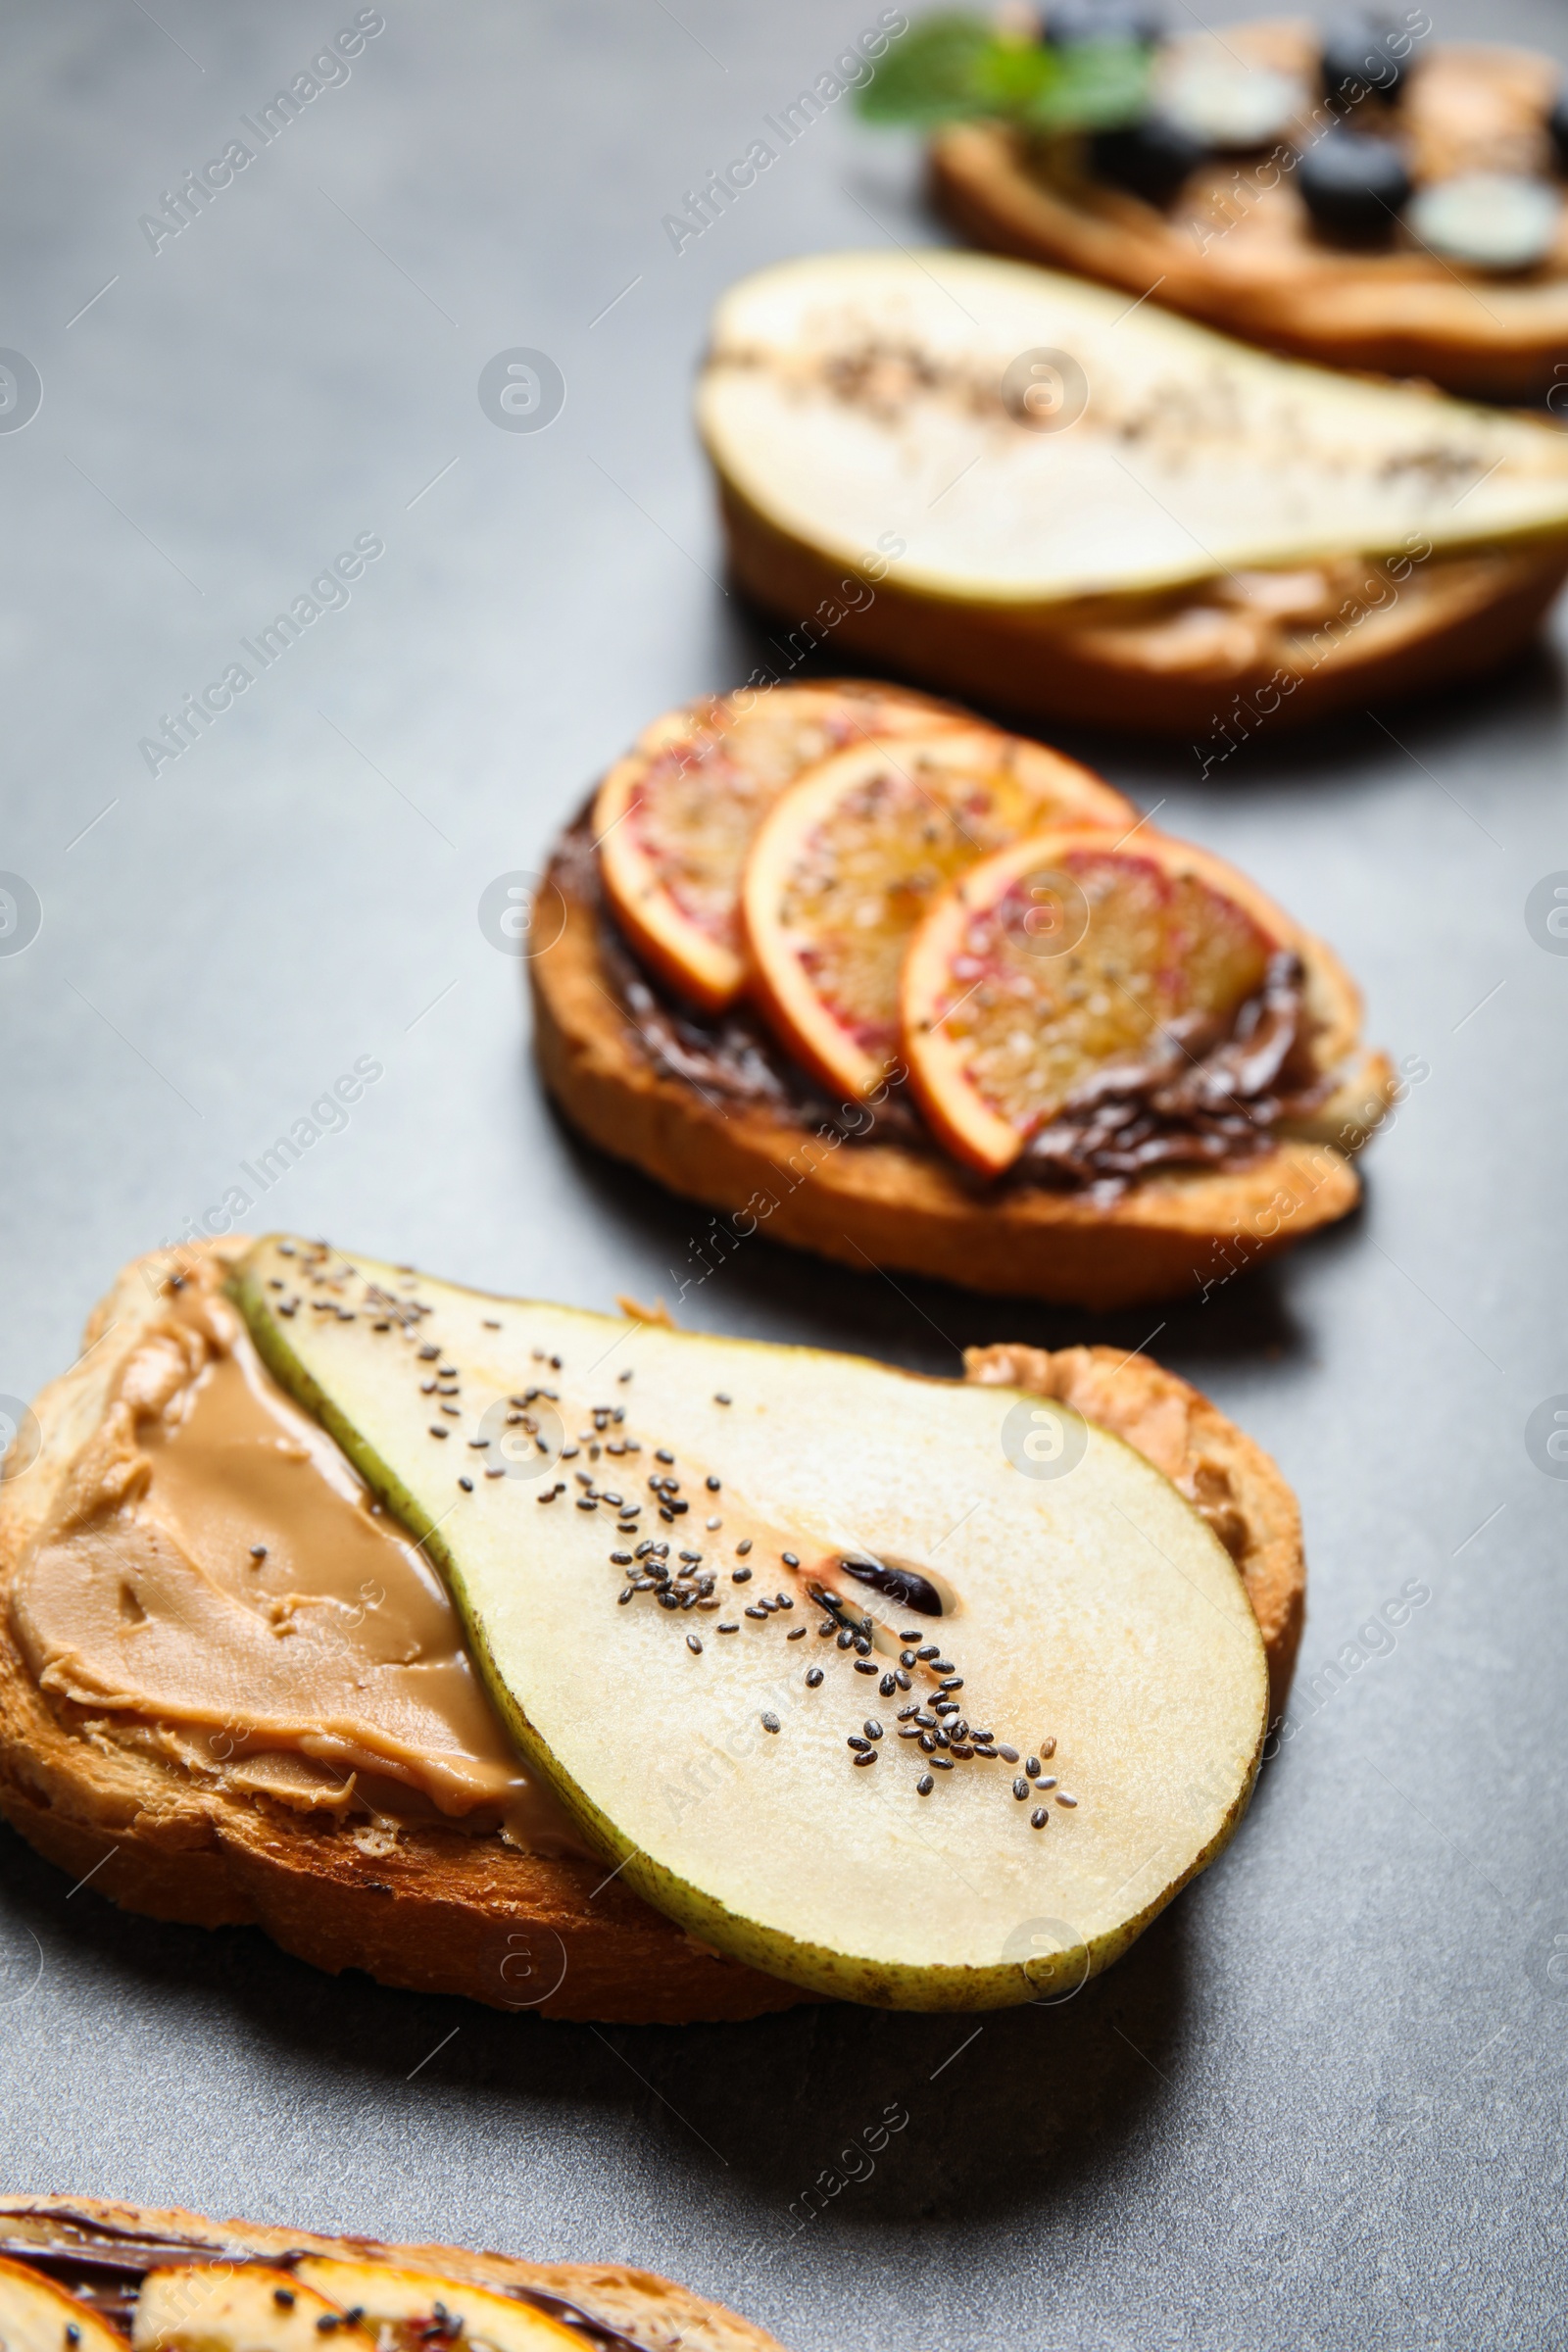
point(1320, 2104)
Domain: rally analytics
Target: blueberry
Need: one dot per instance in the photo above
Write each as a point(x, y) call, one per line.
point(1357, 58)
point(1151, 159)
point(1354, 186)
point(1557, 128)
point(1069, 23)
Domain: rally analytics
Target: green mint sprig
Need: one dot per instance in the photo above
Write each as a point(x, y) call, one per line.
point(956, 67)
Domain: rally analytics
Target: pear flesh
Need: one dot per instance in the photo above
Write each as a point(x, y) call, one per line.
point(1004, 435)
point(1090, 1620)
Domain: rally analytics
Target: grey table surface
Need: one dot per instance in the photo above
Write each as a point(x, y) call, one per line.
point(1321, 2102)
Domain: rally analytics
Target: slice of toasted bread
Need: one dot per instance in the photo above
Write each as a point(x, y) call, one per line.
point(435, 1909)
point(102, 2250)
point(1197, 538)
point(898, 1204)
point(1236, 247)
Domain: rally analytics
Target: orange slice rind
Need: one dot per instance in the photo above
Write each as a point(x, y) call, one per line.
point(674, 820)
point(847, 861)
point(1064, 960)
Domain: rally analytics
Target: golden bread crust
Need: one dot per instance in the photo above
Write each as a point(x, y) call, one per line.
point(883, 1204)
point(640, 2304)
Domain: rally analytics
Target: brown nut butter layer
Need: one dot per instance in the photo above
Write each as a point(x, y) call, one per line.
point(219, 1587)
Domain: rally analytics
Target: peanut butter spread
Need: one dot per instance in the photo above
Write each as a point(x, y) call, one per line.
point(219, 1587)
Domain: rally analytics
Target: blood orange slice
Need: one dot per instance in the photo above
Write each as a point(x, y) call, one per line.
point(1063, 961)
point(851, 856)
point(673, 821)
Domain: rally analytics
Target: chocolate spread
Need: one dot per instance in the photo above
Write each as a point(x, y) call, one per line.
point(220, 1588)
point(1204, 1096)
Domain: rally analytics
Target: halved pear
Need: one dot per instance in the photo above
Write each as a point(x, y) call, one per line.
point(991, 434)
point(1046, 1600)
point(37, 2315)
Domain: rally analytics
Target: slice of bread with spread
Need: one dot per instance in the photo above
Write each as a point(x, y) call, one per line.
point(1266, 228)
point(1003, 482)
point(232, 1709)
point(88, 2273)
point(224, 1781)
point(709, 1100)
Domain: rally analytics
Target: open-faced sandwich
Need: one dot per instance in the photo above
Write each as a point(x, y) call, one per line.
point(83, 2274)
point(1002, 481)
point(340, 1600)
point(1360, 194)
point(937, 999)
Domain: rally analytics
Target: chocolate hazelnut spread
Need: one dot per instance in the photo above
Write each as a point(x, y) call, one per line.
point(1203, 1099)
point(218, 1585)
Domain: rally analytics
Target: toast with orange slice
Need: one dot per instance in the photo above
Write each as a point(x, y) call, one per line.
point(1212, 1107)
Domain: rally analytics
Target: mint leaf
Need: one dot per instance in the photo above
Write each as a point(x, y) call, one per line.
point(1100, 83)
point(1015, 78)
point(931, 75)
point(956, 67)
